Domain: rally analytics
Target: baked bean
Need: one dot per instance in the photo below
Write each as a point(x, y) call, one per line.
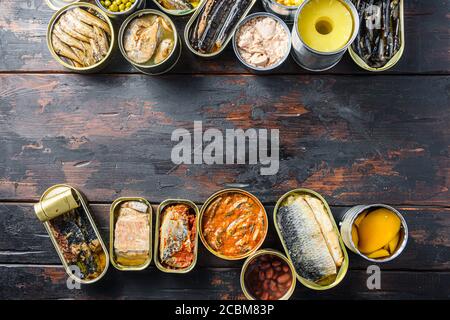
point(269, 273)
point(284, 278)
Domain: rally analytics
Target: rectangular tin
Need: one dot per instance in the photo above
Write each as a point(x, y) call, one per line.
point(177, 13)
point(360, 62)
point(161, 208)
point(230, 36)
point(344, 267)
point(112, 223)
point(56, 189)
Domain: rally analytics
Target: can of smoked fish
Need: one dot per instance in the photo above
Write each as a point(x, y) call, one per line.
point(129, 263)
point(348, 223)
point(75, 44)
point(342, 270)
point(151, 67)
point(66, 217)
point(185, 216)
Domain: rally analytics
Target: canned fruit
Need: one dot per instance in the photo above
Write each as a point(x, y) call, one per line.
point(382, 253)
point(355, 237)
point(290, 3)
point(360, 218)
point(377, 229)
point(392, 245)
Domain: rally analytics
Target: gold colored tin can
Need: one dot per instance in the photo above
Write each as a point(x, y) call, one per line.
point(112, 223)
point(56, 201)
point(343, 268)
point(205, 206)
point(261, 252)
point(161, 208)
point(177, 13)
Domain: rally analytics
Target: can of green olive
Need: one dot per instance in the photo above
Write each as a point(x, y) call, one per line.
point(348, 220)
point(135, 5)
point(156, 255)
point(268, 276)
point(149, 68)
point(65, 62)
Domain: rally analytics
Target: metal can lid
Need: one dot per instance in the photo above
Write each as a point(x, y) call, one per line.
point(58, 4)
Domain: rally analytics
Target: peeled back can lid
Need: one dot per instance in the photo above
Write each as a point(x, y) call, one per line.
point(58, 4)
point(53, 206)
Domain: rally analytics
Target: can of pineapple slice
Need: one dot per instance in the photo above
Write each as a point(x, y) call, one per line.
point(349, 219)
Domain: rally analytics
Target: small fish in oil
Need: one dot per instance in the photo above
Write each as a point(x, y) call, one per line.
point(176, 4)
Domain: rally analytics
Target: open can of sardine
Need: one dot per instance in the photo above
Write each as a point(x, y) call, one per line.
point(376, 232)
point(149, 40)
point(176, 236)
point(80, 37)
point(178, 7)
point(311, 239)
point(130, 233)
point(66, 217)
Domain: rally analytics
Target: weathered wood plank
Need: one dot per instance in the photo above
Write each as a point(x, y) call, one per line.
point(49, 282)
point(353, 139)
point(23, 239)
point(23, 45)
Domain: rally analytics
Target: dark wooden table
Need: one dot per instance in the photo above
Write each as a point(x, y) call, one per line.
point(355, 137)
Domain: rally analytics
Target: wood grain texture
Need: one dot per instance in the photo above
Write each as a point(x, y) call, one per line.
point(353, 139)
point(23, 26)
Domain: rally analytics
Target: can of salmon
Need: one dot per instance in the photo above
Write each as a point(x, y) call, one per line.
point(351, 229)
point(322, 29)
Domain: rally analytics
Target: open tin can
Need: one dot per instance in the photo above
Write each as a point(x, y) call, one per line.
point(258, 254)
point(102, 15)
point(178, 13)
point(342, 269)
point(214, 197)
point(349, 219)
point(152, 69)
point(311, 59)
point(195, 226)
point(287, 13)
point(69, 224)
point(191, 24)
point(137, 5)
point(113, 214)
point(393, 61)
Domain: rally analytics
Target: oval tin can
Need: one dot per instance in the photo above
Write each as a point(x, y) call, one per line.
point(112, 222)
point(190, 24)
point(53, 192)
point(164, 66)
point(95, 67)
point(177, 13)
point(314, 60)
point(349, 218)
point(343, 268)
point(270, 252)
point(205, 206)
point(396, 58)
point(161, 208)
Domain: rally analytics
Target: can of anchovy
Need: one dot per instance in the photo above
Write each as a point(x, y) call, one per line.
point(64, 48)
point(157, 68)
point(178, 12)
point(259, 254)
point(393, 61)
point(121, 264)
point(311, 59)
point(156, 256)
point(344, 266)
point(192, 23)
point(352, 214)
point(137, 5)
point(66, 217)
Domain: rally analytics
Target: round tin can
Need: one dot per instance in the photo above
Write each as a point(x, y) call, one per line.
point(205, 206)
point(349, 218)
point(137, 5)
point(177, 13)
point(162, 67)
point(261, 252)
point(95, 67)
point(314, 60)
point(287, 13)
point(236, 49)
point(342, 269)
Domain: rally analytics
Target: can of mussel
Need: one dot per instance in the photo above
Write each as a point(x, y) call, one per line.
point(137, 5)
point(268, 275)
point(312, 59)
point(157, 63)
point(245, 218)
point(179, 12)
point(71, 48)
point(350, 223)
point(193, 23)
point(315, 222)
point(66, 217)
point(183, 214)
point(398, 31)
point(136, 209)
